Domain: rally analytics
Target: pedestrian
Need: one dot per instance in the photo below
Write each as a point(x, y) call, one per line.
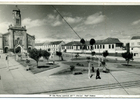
point(7, 62)
point(93, 68)
point(98, 74)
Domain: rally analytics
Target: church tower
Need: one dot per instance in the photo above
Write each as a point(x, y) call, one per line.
point(17, 39)
point(17, 17)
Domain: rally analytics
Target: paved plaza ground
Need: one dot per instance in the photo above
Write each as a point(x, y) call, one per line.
point(121, 81)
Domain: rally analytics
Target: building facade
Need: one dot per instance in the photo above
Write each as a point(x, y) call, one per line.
point(1, 45)
point(113, 45)
point(52, 46)
point(17, 36)
point(135, 46)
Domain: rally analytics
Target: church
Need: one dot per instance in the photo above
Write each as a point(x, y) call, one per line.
point(17, 36)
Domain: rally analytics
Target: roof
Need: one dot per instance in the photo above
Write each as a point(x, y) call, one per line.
point(108, 41)
point(55, 42)
point(39, 44)
point(17, 28)
point(105, 41)
point(72, 43)
point(135, 37)
point(6, 33)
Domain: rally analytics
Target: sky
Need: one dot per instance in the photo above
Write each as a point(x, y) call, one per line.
point(88, 21)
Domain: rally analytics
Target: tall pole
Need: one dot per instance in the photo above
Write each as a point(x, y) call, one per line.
point(89, 69)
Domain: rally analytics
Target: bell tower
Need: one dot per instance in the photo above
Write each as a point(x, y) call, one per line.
point(17, 17)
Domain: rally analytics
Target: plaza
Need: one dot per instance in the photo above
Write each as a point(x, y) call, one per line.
point(19, 81)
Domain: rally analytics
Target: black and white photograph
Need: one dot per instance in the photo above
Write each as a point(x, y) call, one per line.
point(70, 50)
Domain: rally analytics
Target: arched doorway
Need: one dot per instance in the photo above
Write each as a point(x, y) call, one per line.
point(6, 50)
point(18, 50)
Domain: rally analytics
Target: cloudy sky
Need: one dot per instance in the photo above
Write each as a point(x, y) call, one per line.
point(89, 21)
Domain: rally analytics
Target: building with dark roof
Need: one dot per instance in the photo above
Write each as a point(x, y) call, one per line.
point(113, 45)
point(135, 37)
point(17, 36)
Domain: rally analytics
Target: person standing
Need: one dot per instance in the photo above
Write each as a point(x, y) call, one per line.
point(93, 68)
point(7, 61)
point(98, 74)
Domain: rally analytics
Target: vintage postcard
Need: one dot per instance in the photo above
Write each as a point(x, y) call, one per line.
point(69, 50)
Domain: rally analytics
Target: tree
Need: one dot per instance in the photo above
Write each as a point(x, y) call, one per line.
point(105, 54)
point(58, 53)
point(127, 56)
point(45, 54)
point(35, 54)
point(77, 55)
point(92, 53)
point(82, 41)
point(91, 42)
point(18, 50)
point(49, 49)
point(72, 67)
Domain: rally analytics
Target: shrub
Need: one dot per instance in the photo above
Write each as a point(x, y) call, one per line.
point(72, 68)
point(58, 53)
point(127, 56)
point(105, 53)
point(77, 55)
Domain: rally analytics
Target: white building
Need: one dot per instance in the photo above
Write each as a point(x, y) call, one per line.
point(53, 46)
point(39, 45)
point(135, 46)
point(113, 45)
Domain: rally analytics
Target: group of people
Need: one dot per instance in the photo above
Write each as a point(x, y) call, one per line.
point(101, 62)
point(97, 73)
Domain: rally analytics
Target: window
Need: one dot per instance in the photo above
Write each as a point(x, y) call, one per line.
point(109, 46)
point(131, 48)
point(103, 46)
point(95, 46)
point(91, 47)
point(112, 46)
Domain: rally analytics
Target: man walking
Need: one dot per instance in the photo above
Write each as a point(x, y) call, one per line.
point(98, 74)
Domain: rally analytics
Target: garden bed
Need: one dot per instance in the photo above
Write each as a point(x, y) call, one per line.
point(81, 63)
point(43, 66)
point(69, 72)
point(131, 65)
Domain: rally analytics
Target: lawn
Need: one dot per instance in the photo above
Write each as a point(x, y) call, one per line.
point(69, 72)
point(108, 60)
point(81, 63)
point(42, 66)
